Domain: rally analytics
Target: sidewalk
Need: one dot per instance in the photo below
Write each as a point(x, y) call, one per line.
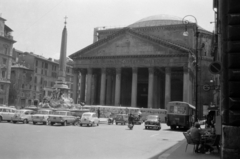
point(178, 152)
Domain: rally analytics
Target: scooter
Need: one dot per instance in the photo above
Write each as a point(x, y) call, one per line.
point(130, 126)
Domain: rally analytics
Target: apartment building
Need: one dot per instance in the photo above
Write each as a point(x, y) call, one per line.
point(6, 44)
point(45, 73)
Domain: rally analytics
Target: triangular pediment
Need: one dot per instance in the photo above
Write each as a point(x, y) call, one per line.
point(130, 43)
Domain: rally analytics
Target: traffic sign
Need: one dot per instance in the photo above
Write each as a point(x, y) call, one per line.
point(206, 87)
point(215, 67)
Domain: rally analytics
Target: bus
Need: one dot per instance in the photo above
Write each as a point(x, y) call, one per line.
point(111, 111)
point(180, 114)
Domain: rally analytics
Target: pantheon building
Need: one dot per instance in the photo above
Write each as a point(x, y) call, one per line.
point(146, 64)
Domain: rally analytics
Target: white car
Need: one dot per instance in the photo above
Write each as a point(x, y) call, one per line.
point(23, 115)
point(6, 113)
point(41, 116)
point(89, 119)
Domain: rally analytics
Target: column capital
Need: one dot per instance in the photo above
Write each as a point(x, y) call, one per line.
point(83, 71)
point(118, 70)
point(103, 70)
point(89, 70)
point(134, 69)
point(151, 70)
point(168, 69)
point(185, 69)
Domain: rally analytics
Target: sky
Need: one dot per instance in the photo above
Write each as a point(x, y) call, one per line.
point(37, 24)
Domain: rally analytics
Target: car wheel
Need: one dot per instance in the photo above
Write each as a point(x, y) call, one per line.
point(146, 127)
point(80, 124)
point(65, 123)
point(97, 124)
point(34, 123)
point(51, 123)
point(0, 119)
point(25, 121)
point(14, 122)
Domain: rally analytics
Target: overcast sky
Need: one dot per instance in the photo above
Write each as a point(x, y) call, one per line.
point(37, 24)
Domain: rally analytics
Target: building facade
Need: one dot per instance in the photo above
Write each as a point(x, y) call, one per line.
point(6, 44)
point(44, 75)
point(146, 64)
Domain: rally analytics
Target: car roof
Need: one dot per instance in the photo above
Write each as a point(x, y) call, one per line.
point(7, 107)
point(45, 110)
point(89, 113)
point(25, 110)
point(62, 111)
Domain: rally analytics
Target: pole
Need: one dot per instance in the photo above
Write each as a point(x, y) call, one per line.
point(196, 84)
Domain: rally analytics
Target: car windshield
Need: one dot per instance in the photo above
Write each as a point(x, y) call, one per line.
point(60, 113)
point(43, 112)
point(152, 117)
point(86, 115)
point(20, 112)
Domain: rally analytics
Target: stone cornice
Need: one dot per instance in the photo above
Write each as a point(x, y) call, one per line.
point(134, 56)
point(139, 34)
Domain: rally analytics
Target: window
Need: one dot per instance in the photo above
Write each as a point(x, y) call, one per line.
point(22, 85)
point(36, 70)
point(4, 61)
point(35, 80)
point(3, 73)
point(35, 88)
point(46, 65)
point(2, 87)
point(42, 72)
point(46, 72)
point(30, 86)
point(37, 63)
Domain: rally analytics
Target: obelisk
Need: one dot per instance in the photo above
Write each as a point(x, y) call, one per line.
point(60, 84)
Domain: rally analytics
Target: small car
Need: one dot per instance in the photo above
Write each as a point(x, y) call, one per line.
point(62, 117)
point(89, 119)
point(153, 121)
point(23, 115)
point(121, 118)
point(6, 113)
point(42, 116)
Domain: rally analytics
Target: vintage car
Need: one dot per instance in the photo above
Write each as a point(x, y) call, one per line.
point(63, 117)
point(41, 116)
point(153, 122)
point(6, 113)
point(89, 119)
point(78, 114)
point(23, 115)
point(121, 118)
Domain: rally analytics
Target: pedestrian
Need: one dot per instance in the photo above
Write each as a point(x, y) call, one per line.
point(98, 112)
point(195, 133)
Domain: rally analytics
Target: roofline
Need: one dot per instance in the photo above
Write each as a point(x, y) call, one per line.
point(132, 31)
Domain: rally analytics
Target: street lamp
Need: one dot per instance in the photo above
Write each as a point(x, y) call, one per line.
point(185, 33)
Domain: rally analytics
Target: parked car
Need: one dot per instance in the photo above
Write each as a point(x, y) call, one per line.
point(62, 117)
point(42, 116)
point(89, 119)
point(121, 118)
point(78, 114)
point(6, 113)
point(23, 115)
point(153, 121)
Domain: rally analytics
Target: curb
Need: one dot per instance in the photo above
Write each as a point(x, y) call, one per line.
point(168, 151)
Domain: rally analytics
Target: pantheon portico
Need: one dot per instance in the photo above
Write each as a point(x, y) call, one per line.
point(146, 64)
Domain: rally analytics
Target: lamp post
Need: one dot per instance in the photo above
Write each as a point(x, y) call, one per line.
point(185, 33)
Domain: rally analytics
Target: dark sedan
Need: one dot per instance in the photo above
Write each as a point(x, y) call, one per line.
point(153, 122)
